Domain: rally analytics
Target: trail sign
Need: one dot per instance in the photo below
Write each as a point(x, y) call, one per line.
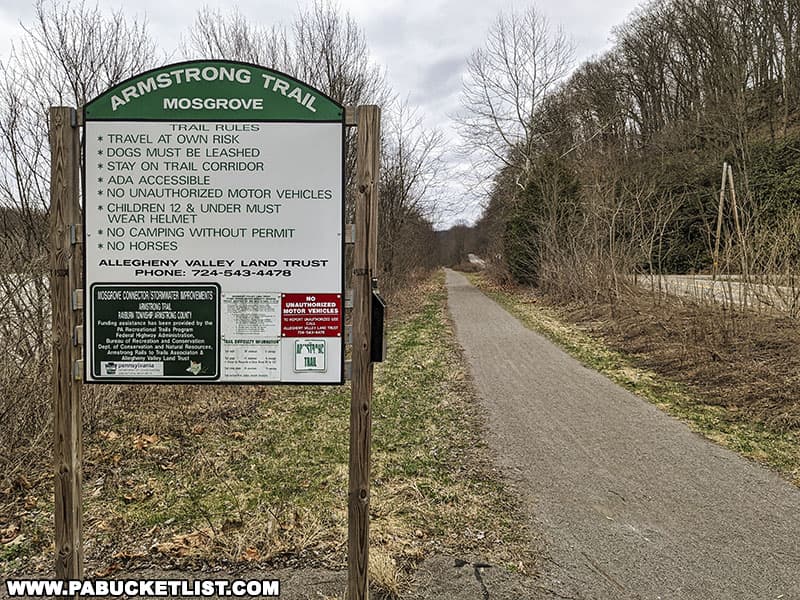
point(213, 221)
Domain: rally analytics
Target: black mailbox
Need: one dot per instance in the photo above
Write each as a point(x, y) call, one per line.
point(378, 341)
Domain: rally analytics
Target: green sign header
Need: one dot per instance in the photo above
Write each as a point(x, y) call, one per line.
point(213, 90)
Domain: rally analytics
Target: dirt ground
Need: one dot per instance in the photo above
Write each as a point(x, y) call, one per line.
point(437, 578)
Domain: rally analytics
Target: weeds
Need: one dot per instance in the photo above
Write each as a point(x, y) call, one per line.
point(245, 476)
point(674, 356)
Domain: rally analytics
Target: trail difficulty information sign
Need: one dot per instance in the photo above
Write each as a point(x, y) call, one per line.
point(213, 219)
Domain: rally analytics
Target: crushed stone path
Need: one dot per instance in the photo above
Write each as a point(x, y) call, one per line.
point(630, 502)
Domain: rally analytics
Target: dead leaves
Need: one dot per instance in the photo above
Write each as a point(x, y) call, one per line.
point(251, 555)
point(186, 545)
point(139, 490)
point(9, 533)
point(108, 570)
point(108, 436)
point(118, 562)
point(139, 441)
point(11, 536)
point(143, 442)
point(22, 483)
point(121, 446)
point(202, 543)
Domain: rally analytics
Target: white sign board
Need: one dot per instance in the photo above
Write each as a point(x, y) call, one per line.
point(213, 238)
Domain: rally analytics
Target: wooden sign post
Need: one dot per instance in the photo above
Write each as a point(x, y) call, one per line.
point(65, 279)
point(364, 268)
point(68, 270)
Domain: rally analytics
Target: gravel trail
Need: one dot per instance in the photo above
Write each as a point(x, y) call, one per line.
point(630, 502)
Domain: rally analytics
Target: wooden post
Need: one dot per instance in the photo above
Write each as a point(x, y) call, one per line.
point(745, 283)
point(734, 207)
point(65, 277)
point(364, 266)
point(715, 258)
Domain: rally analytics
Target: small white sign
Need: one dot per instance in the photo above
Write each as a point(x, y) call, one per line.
point(309, 355)
point(251, 360)
point(251, 315)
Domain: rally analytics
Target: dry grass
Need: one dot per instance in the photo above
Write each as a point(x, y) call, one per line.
point(240, 477)
point(741, 361)
point(383, 571)
point(733, 376)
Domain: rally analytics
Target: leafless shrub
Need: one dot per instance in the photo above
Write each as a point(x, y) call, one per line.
point(411, 169)
point(69, 54)
point(327, 49)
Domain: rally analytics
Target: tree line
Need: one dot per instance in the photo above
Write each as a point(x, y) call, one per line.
point(71, 52)
point(614, 167)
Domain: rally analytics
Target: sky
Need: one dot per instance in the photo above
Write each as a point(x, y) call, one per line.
point(422, 44)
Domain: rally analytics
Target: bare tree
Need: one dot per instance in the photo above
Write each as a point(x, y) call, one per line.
point(613, 172)
point(410, 180)
point(521, 63)
point(323, 47)
point(231, 36)
point(331, 53)
point(69, 54)
point(72, 52)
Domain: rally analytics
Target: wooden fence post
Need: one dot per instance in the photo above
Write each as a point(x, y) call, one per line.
point(65, 277)
point(715, 257)
point(364, 267)
point(744, 284)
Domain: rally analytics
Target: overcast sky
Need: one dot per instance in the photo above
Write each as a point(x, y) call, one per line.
point(423, 44)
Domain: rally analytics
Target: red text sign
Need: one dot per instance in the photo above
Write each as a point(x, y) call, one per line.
point(311, 315)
